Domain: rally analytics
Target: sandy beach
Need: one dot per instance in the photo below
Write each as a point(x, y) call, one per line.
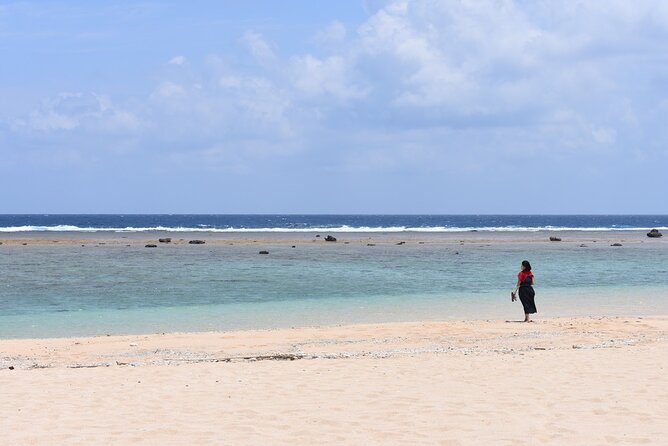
point(334, 223)
point(576, 381)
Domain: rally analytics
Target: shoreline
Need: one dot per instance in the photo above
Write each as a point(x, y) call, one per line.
point(584, 381)
point(280, 238)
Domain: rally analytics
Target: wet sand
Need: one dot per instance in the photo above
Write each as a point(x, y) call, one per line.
point(287, 238)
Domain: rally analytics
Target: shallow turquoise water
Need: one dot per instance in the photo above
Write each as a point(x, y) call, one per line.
point(58, 290)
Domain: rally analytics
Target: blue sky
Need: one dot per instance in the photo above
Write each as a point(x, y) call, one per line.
point(430, 106)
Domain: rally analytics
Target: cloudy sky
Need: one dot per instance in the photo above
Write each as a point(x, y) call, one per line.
point(351, 106)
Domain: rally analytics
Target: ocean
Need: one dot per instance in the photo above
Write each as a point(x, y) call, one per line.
point(332, 223)
point(59, 289)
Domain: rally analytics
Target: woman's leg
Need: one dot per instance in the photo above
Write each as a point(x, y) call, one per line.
point(527, 298)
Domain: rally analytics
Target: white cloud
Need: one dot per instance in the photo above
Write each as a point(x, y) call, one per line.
point(527, 76)
point(603, 135)
point(230, 81)
point(70, 111)
point(168, 89)
point(334, 33)
point(264, 106)
point(330, 76)
point(443, 52)
point(47, 120)
point(258, 47)
point(248, 116)
point(491, 78)
point(177, 60)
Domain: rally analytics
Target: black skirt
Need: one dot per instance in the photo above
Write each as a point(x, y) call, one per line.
point(527, 295)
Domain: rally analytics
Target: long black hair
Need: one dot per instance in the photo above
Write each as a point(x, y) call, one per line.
point(526, 265)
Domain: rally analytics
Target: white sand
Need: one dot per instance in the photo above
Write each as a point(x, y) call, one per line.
point(462, 383)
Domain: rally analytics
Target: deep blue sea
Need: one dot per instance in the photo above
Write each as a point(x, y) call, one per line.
point(332, 223)
point(58, 289)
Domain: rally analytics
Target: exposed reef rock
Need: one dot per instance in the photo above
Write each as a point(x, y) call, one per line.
point(654, 233)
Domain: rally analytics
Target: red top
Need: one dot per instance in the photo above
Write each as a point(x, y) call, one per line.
point(522, 275)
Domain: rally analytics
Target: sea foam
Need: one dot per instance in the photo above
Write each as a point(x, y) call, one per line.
point(338, 229)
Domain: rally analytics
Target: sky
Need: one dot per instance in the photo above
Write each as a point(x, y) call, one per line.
point(398, 107)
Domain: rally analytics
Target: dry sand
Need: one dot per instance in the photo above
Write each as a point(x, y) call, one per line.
point(568, 381)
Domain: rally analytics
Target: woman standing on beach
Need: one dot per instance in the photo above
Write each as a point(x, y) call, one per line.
point(524, 285)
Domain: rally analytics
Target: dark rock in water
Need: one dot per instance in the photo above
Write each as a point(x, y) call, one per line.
point(165, 240)
point(196, 242)
point(24, 244)
point(11, 367)
point(555, 239)
point(371, 244)
point(583, 246)
point(293, 246)
point(0, 243)
point(329, 238)
point(401, 243)
point(317, 235)
point(654, 233)
point(616, 244)
point(150, 245)
point(264, 252)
